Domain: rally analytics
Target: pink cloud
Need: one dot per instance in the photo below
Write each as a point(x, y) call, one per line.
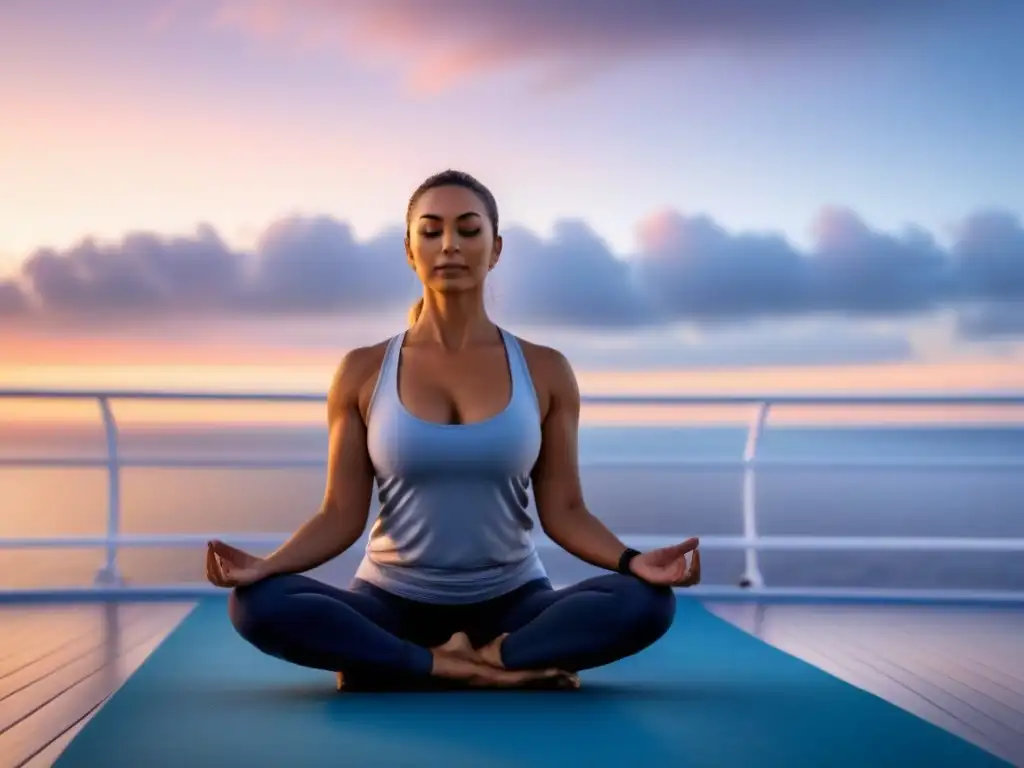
point(443, 42)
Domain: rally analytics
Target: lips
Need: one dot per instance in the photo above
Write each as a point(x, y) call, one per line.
point(451, 269)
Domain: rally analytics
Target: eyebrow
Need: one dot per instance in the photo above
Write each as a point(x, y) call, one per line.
point(460, 217)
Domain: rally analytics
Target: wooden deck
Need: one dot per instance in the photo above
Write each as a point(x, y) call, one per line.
point(59, 662)
point(962, 669)
point(959, 668)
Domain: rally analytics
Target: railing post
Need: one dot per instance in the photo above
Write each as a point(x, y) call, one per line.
point(109, 574)
point(752, 571)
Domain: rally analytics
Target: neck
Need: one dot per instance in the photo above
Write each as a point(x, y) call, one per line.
point(453, 320)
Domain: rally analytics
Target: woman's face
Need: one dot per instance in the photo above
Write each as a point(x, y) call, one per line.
point(451, 242)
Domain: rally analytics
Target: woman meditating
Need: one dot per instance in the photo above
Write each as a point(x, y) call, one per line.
point(453, 419)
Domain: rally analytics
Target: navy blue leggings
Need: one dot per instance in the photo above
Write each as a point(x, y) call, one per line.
point(364, 630)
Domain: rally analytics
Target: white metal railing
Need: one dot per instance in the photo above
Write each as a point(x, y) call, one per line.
point(109, 577)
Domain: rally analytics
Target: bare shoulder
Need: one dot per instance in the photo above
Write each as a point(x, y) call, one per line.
point(552, 374)
point(549, 362)
point(356, 376)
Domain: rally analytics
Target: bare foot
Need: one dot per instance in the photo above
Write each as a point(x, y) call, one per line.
point(491, 655)
point(458, 660)
point(459, 645)
point(452, 666)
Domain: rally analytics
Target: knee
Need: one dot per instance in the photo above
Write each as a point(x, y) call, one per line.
point(254, 608)
point(650, 609)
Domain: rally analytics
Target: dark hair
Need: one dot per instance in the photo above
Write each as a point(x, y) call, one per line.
point(450, 178)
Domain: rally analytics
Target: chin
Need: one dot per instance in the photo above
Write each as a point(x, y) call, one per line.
point(460, 284)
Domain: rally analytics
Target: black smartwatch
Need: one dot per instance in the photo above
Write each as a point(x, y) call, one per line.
point(625, 559)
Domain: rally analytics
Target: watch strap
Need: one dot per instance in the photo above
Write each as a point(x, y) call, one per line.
point(625, 559)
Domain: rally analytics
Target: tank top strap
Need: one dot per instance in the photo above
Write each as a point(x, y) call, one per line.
point(522, 381)
point(386, 388)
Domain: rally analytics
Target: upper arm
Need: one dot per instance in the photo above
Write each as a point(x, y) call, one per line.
point(556, 478)
point(349, 470)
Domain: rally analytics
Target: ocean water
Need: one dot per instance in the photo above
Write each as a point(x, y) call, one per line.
point(631, 499)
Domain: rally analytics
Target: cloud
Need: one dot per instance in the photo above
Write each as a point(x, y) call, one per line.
point(854, 269)
point(993, 321)
point(572, 279)
point(444, 41)
point(688, 269)
point(311, 265)
point(693, 268)
point(989, 250)
point(142, 272)
point(13, 300)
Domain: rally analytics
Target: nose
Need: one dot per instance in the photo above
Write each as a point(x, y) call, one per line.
point(450, 246)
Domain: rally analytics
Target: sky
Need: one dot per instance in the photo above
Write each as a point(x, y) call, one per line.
point(737, 188)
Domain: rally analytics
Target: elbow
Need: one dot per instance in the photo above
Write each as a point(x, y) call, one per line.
point(343, 526)
point(559, 522)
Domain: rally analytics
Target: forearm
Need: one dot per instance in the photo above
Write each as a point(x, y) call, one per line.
point(321, 538)
point(582, 534)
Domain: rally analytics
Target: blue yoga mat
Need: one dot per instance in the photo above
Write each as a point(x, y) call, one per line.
point(707, 694)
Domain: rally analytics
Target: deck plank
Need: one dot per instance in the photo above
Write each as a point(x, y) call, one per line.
point(958, 668)
point(69, 660)
point(48, 755)
point(40, 660)
point(26, 638)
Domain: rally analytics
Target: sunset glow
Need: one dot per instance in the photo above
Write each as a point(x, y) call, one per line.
point(211, 195)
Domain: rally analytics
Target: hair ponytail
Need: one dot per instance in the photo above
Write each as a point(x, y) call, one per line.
point(415, 310)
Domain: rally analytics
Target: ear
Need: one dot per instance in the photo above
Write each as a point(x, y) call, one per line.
point(408, 255)
point(496, 253)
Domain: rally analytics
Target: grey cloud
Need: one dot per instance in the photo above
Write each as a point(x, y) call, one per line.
point(989, 253)
point(693, 268)
point(696, 270)
point(992, 321)
point(315, 264)
point(142, 272)
point(571, 280)
point(857, 270)
point(687, 269)
point(13, 300)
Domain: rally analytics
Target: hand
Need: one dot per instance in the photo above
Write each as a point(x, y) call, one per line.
point(668, 566)
point(227, 566)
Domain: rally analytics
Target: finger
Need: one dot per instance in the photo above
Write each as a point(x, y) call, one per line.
point(211, 568)
point(214, 563)
point(223, 570)
point(227, 551)
point(227, 571)
point(693, 574)
point(683, 574)
point(690, 545)
point(680, 568)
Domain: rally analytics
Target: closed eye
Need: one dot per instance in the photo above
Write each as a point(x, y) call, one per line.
point(464, 233)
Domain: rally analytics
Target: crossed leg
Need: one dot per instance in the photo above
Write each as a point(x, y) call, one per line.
point(367, 636)
point(590, 624)
point(306, 622)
